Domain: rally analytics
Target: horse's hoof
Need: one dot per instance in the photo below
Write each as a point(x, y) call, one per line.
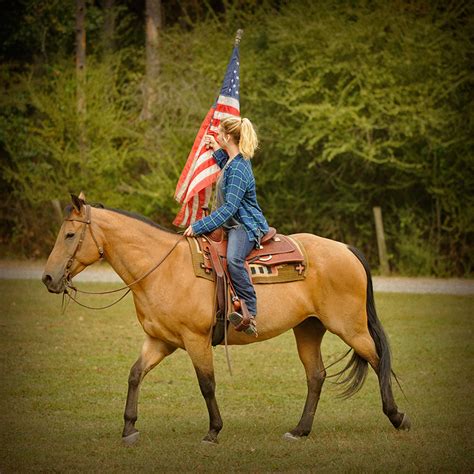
point(291, 437)
point(405, 425)
point(131, 439)
point(209, 442)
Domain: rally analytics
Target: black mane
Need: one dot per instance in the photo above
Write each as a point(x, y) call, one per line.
point(132, 215)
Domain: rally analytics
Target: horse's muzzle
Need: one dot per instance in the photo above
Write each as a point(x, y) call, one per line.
point(52, 285)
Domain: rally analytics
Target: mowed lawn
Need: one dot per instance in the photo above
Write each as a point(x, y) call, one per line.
point(64, 383)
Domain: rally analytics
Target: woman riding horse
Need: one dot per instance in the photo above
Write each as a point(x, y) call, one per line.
point(175, 308)
point(237, 210)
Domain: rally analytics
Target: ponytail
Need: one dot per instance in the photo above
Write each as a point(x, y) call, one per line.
point(243, 134)
point(248, 142)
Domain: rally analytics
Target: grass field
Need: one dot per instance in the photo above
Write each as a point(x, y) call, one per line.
point(64, 381)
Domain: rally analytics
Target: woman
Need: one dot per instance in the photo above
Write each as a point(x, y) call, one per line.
point(237, 208)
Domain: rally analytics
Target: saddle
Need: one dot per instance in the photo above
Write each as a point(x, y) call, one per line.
point(275, 249)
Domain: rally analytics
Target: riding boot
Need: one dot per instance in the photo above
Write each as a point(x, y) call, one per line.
point(244, 321)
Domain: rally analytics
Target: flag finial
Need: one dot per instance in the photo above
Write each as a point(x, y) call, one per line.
point(238, 37)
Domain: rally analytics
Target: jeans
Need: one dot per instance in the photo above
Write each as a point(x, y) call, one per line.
point(238, 247)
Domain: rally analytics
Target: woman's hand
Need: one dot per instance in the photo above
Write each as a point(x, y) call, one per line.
point(189, 232)
point(211, 142)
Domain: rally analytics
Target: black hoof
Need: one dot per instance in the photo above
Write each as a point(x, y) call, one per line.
point(131, 439)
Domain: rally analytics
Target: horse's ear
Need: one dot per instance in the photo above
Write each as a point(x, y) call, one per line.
point(77, 202)
point(82, 197)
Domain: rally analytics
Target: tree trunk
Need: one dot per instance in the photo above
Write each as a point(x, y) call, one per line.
point(81, 70)
point(153, 27)
point(109, 26)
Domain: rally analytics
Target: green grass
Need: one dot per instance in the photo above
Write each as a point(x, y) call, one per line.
point(64, 381)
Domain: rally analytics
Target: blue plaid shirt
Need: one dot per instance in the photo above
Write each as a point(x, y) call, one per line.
point(240, 199)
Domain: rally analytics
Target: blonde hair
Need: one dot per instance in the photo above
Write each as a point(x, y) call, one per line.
point(243, 133)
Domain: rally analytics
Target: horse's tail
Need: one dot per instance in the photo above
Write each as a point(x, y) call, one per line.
point(357, 365)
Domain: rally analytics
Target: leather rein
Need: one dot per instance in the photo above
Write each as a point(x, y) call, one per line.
point(87, 224)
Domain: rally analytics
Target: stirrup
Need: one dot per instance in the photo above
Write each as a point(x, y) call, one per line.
point(237, 320)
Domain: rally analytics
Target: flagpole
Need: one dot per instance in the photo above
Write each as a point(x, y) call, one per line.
point(212, 202)
point(238, 37)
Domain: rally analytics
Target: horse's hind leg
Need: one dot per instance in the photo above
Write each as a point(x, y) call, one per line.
point(153, 352)
point(363, 344)
point(363, 331)
point(309, 335)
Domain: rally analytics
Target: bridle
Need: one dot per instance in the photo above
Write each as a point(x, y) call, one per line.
point(87, 224)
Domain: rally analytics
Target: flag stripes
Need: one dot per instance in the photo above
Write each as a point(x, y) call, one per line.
point(194, 186)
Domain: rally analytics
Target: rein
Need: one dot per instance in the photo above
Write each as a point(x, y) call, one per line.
point(87, 223)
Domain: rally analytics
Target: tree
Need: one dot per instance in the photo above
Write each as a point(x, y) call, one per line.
point(153, 28)
point(109, 26)
point(81, 71)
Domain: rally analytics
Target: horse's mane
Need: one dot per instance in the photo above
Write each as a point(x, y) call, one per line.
point(132, 215)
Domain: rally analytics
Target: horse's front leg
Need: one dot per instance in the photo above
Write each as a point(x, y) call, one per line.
point(199, 349)
point(153, 352)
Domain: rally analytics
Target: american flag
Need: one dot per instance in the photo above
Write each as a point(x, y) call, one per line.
point(194, 186)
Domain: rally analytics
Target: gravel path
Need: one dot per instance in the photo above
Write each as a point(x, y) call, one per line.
point(23, 270)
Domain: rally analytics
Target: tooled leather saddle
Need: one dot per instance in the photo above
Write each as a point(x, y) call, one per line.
point(274, 249)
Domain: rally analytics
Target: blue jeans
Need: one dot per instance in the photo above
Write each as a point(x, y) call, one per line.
point(238, 247)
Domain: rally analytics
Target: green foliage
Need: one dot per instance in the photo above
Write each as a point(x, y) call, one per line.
point(415, 256)
point(357, 104)
point(366, 106)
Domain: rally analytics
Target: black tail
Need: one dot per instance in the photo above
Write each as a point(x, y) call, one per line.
point(357, 365)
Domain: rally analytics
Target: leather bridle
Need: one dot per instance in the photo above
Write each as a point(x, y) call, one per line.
point(86, 224)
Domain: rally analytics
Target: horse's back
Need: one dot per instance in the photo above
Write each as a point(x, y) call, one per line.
point(326, 256)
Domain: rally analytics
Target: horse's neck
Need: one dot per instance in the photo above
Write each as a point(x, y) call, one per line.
point(132, 247)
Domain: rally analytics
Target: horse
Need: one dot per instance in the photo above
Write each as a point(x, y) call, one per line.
point(175, 308)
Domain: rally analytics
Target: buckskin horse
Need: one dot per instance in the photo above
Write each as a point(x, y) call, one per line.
point(175, 308)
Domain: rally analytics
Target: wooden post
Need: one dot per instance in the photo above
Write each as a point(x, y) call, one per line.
point(383, 259)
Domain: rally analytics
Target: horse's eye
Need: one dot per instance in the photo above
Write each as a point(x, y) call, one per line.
point(70, 235)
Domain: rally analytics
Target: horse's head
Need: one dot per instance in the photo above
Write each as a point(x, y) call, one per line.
point(76, 247)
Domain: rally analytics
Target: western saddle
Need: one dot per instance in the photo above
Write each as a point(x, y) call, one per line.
point(275, 249)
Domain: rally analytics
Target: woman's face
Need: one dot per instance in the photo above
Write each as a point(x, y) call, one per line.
point(223, 138)
point(220, 137)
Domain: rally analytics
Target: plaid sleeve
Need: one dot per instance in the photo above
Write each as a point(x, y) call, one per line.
point(235, 191)
point(221, 157)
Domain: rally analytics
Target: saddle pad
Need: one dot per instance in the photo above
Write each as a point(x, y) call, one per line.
point(260, 273)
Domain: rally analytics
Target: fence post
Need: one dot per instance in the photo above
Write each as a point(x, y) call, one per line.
point(383, 259)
